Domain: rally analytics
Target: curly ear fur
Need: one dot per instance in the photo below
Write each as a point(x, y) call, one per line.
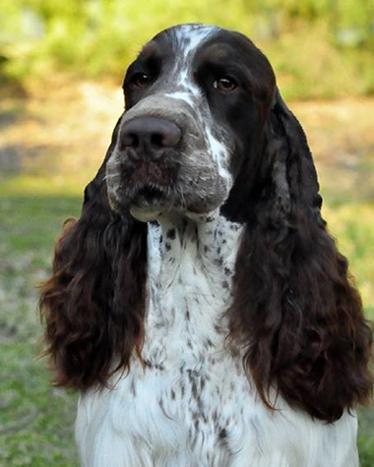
point(93, 304)
point(295, 307)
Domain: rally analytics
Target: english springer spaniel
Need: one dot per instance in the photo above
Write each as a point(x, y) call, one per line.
point(199, 304)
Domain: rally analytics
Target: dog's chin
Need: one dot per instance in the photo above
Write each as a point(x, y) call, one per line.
point(151, 202)
point(143, 202)
point(147, 212)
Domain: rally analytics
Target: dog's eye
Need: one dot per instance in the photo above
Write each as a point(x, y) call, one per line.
point(225, 84)
point(140, 80)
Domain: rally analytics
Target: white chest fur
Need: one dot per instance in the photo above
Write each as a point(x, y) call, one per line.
point(192, 404)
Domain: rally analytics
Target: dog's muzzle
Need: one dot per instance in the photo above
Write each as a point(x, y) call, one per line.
point(164, 160)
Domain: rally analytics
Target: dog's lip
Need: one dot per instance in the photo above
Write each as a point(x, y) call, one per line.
point(143, 197)
point(149, 192)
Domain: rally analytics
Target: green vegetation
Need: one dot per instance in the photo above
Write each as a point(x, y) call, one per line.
point(319, 48)
point(36, 421)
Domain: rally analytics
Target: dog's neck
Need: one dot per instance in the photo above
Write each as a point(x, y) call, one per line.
point(190, 268)
point(182, 249)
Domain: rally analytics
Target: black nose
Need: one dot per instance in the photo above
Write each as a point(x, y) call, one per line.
point(148, 137)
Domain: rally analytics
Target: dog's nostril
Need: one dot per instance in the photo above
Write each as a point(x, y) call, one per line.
point(157, 140)
point(130, 139)
point(134, 140)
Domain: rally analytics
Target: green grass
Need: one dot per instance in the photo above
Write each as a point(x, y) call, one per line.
point(36, 419)
point(352, 225)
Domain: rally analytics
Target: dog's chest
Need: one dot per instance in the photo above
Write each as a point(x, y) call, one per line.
point(191, 394)
point(188, 394)
point(190, 402)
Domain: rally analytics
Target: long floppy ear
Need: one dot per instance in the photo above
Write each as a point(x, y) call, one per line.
point(295, 308)
point(93, 305)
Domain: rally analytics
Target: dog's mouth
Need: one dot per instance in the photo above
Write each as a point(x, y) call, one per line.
point(148, 183)
point(149, 194)
point(149, 201)
point(170, 186)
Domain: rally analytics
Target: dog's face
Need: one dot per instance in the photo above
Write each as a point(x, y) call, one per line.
point(196, 102)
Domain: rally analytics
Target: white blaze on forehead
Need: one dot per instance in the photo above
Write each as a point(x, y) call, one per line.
point(188, 39)
point(190, 36)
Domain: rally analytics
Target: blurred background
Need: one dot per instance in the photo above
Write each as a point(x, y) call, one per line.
point(61, 68)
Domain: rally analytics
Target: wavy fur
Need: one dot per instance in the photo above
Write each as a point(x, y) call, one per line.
point(295, 307)
point(93, 305)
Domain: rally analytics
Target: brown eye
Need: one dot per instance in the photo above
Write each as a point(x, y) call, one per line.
point(140, 80)
point(225, 84)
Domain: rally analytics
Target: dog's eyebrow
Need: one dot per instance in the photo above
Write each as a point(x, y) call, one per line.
point(216, 53)
point(220, 58)
point(151, 49)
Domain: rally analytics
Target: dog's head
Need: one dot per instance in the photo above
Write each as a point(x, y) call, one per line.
point(196, 101)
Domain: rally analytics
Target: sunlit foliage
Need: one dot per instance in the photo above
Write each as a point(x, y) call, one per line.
point(306, 40)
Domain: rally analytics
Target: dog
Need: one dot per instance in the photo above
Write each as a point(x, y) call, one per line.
point(199, 304)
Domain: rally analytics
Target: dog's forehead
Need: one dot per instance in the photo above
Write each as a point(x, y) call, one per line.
point(188, 38)
point(178, 46)
point(185, 39)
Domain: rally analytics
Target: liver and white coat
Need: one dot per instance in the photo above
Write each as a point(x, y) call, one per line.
point(199, 304)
